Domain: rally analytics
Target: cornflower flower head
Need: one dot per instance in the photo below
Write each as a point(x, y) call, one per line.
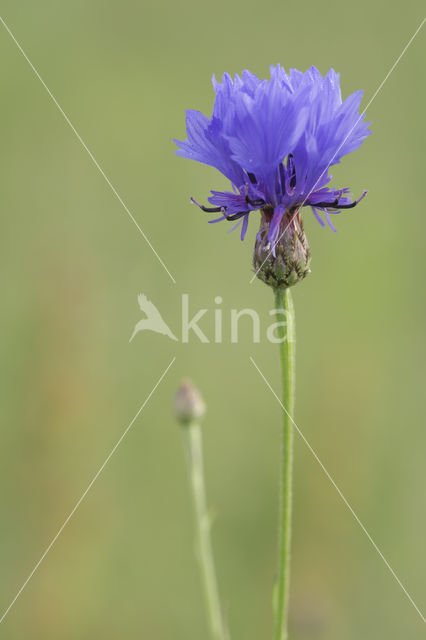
point(275, 140)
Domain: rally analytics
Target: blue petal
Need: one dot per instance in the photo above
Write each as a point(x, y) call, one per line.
point(207, 144)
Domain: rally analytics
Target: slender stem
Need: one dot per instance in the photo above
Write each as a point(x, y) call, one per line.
point(284, 302)
point(194, 455)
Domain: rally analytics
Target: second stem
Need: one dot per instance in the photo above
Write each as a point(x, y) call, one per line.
point(194, 454)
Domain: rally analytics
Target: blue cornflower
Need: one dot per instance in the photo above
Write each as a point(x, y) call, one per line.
point(275, 141)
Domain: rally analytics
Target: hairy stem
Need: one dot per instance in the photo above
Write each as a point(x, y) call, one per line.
point(284, 304)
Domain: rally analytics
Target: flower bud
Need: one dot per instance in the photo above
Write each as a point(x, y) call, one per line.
point(188, 404)
point(285, 261)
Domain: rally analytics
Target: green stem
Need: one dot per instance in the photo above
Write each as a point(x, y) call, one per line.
point(194, 455)
point(284, 302)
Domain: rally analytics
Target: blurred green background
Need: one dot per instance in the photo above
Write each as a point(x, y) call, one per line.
point(72, 264)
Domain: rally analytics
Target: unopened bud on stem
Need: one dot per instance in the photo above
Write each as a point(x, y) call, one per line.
point(188, 404)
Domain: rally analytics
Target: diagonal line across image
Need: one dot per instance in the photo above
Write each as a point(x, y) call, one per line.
point(331, 479)
point(361, 115)
point(89, 486)
point(90, 154)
